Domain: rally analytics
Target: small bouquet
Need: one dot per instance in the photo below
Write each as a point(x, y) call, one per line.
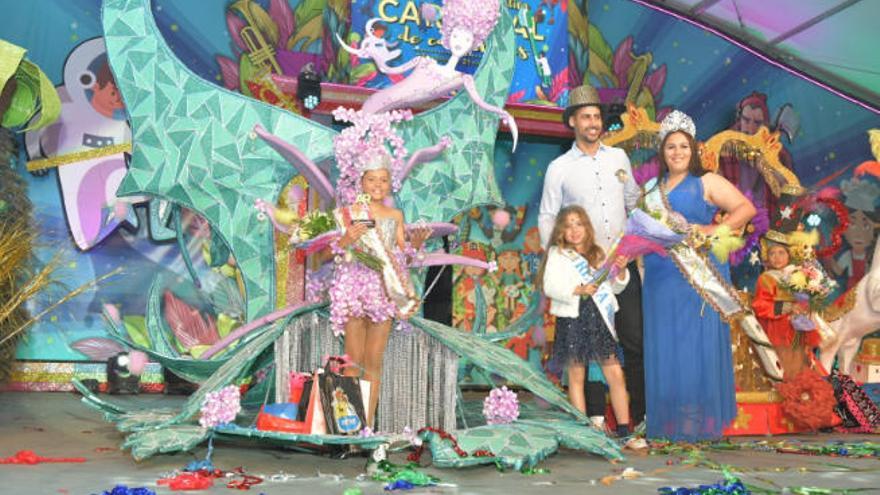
point(317, 230)
point(310, 227)
point(810, 286)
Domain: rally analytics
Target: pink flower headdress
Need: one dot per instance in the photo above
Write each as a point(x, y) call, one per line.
point(477, 17)
point(364, 145)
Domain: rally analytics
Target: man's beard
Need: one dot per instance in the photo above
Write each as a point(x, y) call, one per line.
point(585, 135)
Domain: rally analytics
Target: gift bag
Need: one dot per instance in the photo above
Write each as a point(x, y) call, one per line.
point(315, 420)
point(342, 403)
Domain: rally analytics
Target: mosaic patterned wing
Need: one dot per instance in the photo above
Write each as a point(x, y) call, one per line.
point(193, 143)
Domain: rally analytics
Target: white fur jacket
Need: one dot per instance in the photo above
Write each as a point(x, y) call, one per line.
point(565, 270)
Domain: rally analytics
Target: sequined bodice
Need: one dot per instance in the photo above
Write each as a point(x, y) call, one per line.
point(387, 230)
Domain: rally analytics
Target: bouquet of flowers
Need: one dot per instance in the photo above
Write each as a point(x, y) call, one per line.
point(644, 233)
point(656, 231)
point(810, 286)
point(310, 226)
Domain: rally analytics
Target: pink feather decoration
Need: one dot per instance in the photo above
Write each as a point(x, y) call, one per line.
point(113, 313)
point(622, 60)
point(632, 246)
point(234, 24)
point(560, 85)
point(655, 81)
point(279, 11)
point(98, 348)
point(229, 71)
point(187, 323)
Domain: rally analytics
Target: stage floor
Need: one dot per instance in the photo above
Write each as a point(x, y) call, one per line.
point(58, 425)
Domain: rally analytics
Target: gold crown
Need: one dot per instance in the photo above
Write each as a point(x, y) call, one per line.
point(777, 237)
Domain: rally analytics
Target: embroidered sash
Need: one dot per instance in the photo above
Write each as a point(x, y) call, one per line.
point(603, 297)
point(395, 278)
point(702, 275)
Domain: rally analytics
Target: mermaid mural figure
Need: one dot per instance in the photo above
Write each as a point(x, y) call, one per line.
point(466, 25)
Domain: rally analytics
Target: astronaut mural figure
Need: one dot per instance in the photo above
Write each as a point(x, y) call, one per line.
point(92, 122)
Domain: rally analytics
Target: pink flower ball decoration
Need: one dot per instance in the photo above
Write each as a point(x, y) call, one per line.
point(501, 218)
point(501, 406)
point(137, 362)
point(220, 407)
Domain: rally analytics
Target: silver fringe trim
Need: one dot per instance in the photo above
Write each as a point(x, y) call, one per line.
point(419, 376)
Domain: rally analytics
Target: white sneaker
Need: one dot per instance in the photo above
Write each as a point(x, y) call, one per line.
point(636, 444)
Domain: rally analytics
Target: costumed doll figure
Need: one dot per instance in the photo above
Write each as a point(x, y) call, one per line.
point(775, 306)
point(465, 26)
point(371, 286)
point(584, 309)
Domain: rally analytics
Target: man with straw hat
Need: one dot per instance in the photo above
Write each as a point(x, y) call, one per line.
point(599, 178)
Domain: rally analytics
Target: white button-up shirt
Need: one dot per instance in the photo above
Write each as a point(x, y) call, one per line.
point(602, 184)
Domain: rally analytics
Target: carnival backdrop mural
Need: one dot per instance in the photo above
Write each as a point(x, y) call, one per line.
point(636, 56)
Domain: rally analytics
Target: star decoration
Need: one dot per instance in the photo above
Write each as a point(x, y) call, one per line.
point(754, 258)
point(786, 212)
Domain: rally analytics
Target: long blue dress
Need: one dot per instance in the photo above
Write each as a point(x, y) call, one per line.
point(688, 360)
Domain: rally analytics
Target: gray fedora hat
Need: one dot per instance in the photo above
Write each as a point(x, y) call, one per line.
point(580, 96)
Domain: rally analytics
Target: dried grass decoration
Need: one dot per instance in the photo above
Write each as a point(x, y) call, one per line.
point(20, 278)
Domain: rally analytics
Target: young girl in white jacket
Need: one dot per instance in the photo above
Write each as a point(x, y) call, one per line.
point(584, 310)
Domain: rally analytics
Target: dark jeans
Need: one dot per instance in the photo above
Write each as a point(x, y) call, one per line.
point(628, 322)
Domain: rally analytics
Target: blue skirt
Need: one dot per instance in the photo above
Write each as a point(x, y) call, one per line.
point(583, 339)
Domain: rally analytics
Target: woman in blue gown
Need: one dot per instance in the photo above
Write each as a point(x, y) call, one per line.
point(688, 359)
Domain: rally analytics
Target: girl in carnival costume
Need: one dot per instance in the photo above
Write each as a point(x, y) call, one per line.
point(775, 307)
point(370, 285)
point(585, 310)
point(466, 25)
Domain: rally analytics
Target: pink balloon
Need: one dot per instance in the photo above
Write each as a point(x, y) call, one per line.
point(501, 218)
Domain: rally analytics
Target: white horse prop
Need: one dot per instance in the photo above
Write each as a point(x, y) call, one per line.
point(862, 319)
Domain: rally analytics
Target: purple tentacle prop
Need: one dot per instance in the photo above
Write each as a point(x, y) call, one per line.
point(300, 162)
point(471, 88)
point(438, 229)
point(248, 328)
point(424, 155)
point(440, 258)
